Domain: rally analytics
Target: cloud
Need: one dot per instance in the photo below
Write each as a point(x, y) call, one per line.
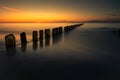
point(10, 9)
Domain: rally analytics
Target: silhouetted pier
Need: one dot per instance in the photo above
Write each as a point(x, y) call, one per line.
point(11, 42)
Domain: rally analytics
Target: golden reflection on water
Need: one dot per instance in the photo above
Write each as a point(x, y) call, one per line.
point(17, 28)
point(44, 43)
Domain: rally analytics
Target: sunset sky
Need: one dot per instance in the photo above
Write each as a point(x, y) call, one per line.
point(59, 11)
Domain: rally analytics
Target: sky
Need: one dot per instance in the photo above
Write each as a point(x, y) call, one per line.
point(59, 11)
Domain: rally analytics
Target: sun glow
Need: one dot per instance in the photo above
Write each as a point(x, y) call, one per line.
point(20, 15)
point(16, 15)
point(39, 17)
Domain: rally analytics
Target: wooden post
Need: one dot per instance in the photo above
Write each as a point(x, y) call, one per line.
point(60, 29)
point(57, 31)
point(35, 36)
point(54, 31)
point(47, 33)
point(41, 34)
point(66, 28)
point(10, 40)
point(23, 37)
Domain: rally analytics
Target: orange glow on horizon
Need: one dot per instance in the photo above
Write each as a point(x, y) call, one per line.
point(40, 18)
point(47, 11)
point(16, 15)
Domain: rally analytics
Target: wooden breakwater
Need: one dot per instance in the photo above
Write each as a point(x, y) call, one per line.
point(10, 40)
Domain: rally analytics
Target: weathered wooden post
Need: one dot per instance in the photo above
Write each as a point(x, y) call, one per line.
point(66, 28)
point(41, 34)
point(69, 28)
point(23, 37)
point(57, 29)
point(10, 40)
point(35, 36)
point(47, 33)
point(54, 31)
point(60, 29)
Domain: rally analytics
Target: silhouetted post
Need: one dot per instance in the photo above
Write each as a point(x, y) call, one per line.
point(53, 32)
point(10, 40)
point(47, 33)
point(66, 28)
point(23, 37)
point(57, 29)
point(41, 34)
point(69, 28)
point(35, 36)
point(60, 29)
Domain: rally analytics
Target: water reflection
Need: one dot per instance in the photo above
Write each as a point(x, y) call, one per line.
point(11, 51)
point(47, 42)
point(41, 43)
point(23, 47)
point(66, 33)
point(35, 45)
point(56, 39)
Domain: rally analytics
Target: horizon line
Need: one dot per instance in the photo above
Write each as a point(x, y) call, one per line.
point(89, 21)
point(67, 22)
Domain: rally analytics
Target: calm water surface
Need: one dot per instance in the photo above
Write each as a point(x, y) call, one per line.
point(91, 51)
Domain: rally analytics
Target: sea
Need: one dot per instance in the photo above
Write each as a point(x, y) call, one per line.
point(90, 51)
